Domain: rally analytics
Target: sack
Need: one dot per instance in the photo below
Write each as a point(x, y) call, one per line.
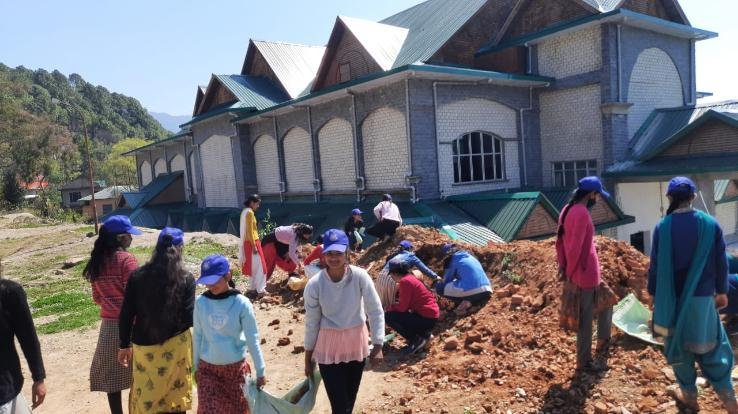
point(299, 400)
point(569, 310)
point(605, 298)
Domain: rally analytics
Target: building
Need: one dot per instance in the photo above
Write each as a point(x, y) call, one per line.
point(106, 200)
point(447, 101)
point(73, 191)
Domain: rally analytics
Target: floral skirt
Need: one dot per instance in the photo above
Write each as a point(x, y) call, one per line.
point(220, 388)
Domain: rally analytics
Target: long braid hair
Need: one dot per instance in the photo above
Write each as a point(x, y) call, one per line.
point(577, 196)
point(106, 245)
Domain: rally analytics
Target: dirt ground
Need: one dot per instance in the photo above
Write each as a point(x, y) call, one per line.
point(510, 356)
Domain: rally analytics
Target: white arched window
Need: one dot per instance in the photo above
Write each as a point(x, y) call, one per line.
point(477, 156)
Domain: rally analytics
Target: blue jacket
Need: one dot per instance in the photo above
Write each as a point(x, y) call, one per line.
point(224, 326)
point(412, 259)
point(465, 273)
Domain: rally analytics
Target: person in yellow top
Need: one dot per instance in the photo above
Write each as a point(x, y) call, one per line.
point(250, 255)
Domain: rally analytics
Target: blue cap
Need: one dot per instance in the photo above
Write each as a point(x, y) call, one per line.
point(681, 185)
point(120, 225)
point(176, 234)
point(212, 269)
point(406, 244)
point(335, 240)
point(446, 247)
point(356, 211)
point(593, 183)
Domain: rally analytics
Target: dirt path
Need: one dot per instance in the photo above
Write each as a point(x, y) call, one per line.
point(68, 355)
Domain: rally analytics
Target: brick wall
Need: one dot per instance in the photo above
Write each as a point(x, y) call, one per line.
point(469, 115)
point(713, 137)
point(539, 223)
point(385, 153)
point(654, 83)
point(298, 160)
point(145, 172)
point(570, 54)
point(727, 215)
point(338, 167)
point(423, 138)
point(219, 181)
point(571, 127)
point(267, 164)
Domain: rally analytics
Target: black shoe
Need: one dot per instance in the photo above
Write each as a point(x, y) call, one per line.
point(418, 345)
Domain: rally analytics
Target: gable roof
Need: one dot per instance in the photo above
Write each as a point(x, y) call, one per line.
point(110, 192)
point(382, 41)
point(295, 65)
point(137, 199)
point(430, 25)
point(198, 98)
point(664, 127)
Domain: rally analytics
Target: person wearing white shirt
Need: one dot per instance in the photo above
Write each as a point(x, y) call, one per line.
point(388, 219)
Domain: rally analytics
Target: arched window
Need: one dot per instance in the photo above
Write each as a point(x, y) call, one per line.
point(478, 157)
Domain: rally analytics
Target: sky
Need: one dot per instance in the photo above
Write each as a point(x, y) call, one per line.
point(158, 51)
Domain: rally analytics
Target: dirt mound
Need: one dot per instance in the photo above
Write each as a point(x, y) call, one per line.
point(511, 354)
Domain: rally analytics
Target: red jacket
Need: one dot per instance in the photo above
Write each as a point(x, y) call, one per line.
point(415, 298)
point(315, 254)
point(575, 251)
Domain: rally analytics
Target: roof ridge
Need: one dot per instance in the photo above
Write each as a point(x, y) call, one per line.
point(286, 43)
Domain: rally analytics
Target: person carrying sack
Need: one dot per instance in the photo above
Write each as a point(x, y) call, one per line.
point(688, 279)
point(576, 255)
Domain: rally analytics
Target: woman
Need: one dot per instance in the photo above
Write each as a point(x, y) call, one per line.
point(250, 255)
point(354, 227)
point(156, 317)
point(688, 279)
point(337, 302)
point(220, 341)
point(577, 258)
point(108, 271)
point(416, 312)
point(385, 284)
point(280, 247)
point(388, 219)
point(464, 280)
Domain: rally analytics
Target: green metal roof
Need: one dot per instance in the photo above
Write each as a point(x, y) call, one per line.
point(430, 25)
point(255, 92)
point(626, 16)
point(461, 226)
point(180, 134)
point(151, 190)
point(674, 166)
point(503, 213)
point(110, 192)
point(664, 127)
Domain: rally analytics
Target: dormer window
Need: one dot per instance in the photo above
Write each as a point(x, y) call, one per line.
point(344, 72)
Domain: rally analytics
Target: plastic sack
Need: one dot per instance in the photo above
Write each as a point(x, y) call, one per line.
point(299, 400)
point(297, 283)
point(631, 317)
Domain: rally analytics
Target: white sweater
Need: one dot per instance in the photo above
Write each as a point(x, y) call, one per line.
point(341, 305)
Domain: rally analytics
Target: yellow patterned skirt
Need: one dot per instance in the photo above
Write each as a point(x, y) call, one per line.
point(162, 376)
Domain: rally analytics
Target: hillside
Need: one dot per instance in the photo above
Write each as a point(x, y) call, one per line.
point(170, 122)
point(41, 133)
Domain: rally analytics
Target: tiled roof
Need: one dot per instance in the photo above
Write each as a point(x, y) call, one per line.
point(295, 65)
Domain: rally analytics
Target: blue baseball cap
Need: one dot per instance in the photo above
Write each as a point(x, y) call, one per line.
point(681, 185)
point(446, 247)
point(120, 225)
point(406, 244)
point(176, 234)
point(335, 240)
point(356, 211)
point(212, 269)
point(593, 183)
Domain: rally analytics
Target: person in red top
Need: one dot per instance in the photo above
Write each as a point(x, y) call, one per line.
point(416, 312)
point(108, 271)
point(577, 258)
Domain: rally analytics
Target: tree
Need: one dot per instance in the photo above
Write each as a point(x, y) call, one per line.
point(119, 169)
point(12, 191)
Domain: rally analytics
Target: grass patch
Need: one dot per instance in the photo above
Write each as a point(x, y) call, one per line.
point(84, 230)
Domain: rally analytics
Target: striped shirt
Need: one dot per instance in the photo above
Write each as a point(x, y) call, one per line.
point(109, 288)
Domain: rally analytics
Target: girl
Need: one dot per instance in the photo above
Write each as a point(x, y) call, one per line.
point(224, 327)
point(109, 269)
point(464, 280)
point(688, 279)
point(157, 316)
point(354, 228)
point(578, 261)
point(416, 313)
point(388, 219)
point(280, 247)
point(250, 255)
point(337, 302)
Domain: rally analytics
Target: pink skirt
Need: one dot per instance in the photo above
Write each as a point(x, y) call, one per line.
point(335, 346)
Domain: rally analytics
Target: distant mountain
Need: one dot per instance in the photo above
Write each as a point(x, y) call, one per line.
point(170, 122)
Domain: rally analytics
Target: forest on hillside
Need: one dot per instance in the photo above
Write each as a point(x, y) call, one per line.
point(43, 117)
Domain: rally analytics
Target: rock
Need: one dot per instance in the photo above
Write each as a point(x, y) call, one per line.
point(451, 343)
point(488, 408)
point(623, 410)
point(669, 373)
point(284, 341)
point(539, 301)
point(59, 272)
point(73, 261)
point(274, 322)
point(517, 300)
point(263, 341)
point(289, 332)
point(519, 392)
point(503, 292)
point(298, 349)
point(600, 408)
point(473, 337)
point(475, 348)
